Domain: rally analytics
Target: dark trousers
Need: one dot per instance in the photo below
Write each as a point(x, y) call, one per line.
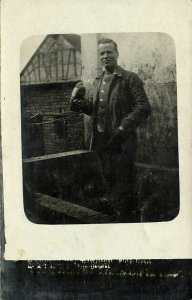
point(118, 172)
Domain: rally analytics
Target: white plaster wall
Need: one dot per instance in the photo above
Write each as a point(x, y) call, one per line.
point(89, 69)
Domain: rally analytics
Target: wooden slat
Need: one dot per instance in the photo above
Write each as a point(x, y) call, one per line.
point(56, 65)
point(34, 70)
point(62, 64)
point(39, 66)
point(78, 212)
point(68, 62)
point(77, 152)
point(54, 156)
point(156, 167)
point(75, 63)
point(47, 69)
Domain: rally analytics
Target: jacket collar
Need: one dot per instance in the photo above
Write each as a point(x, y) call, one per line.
point(118, 71)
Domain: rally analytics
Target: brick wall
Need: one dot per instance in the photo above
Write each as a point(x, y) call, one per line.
point(47, 98)
point(61, 129)
point(63, 132)
point(32, 137)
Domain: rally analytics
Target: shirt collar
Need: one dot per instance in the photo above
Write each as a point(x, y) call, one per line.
point(118, 71)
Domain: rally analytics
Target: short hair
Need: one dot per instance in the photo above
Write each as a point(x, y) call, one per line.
point(106, 41)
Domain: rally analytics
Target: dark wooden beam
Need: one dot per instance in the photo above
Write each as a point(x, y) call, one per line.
point(77, 152)
point(75, 211)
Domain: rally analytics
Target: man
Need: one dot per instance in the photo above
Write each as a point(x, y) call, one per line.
point(118, 105)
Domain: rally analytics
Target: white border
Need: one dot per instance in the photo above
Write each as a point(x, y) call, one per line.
point(25, 240)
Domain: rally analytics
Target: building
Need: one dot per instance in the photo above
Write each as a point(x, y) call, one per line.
point(46, 84)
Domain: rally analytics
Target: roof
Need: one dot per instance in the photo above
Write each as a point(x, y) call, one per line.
point(58, 58)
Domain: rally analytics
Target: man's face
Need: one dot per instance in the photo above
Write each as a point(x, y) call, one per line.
point(108, 56)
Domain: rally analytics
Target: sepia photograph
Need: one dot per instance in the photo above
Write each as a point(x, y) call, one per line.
point(96, 149)
point(99, 128)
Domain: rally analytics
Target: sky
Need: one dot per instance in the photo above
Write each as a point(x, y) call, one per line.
point(28, 47)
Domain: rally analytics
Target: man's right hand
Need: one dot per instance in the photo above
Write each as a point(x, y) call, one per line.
point(77, 101)
point(78, 105)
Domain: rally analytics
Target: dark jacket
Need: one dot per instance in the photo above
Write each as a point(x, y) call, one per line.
point(127, 106)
